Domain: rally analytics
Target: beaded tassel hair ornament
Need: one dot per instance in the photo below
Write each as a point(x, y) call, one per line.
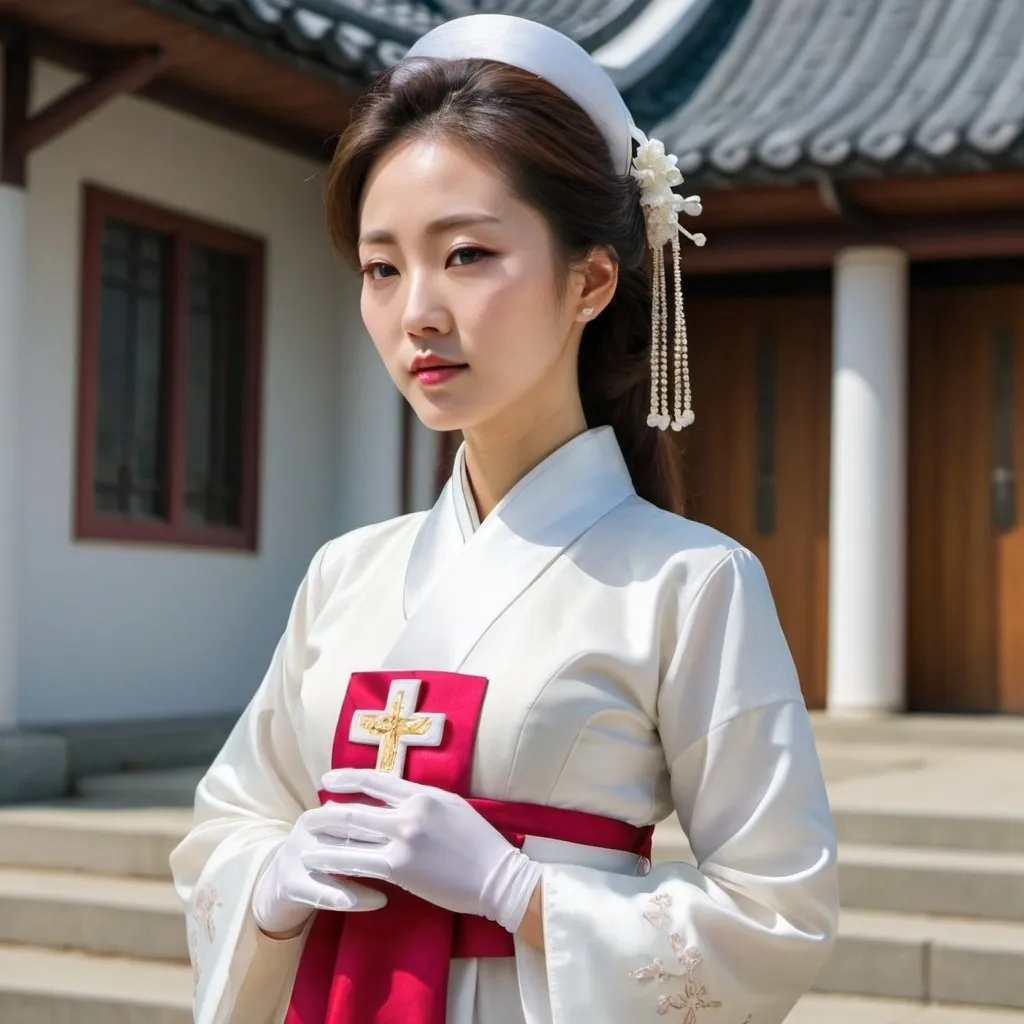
point(657, 173)
point(567, 66)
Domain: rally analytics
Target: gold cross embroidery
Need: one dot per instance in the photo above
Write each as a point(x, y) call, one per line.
point(394, 729)
point(391, 726)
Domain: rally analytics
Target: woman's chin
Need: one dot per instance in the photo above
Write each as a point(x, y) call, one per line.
point(439, 419)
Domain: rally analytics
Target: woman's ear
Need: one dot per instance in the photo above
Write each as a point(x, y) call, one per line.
point(599, 276)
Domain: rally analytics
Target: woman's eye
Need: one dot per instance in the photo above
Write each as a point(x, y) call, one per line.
point(466, 255)
point(377, 271)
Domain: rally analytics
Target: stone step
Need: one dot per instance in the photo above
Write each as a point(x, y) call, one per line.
point(932, 959)
point(39, 986)
point(951, 831)
point(134, 842)
point(881, 954)
point(918, 880)
point(132, 917)
point(869, 827)
point(169, 787)
point(942, 731)
point(45, 986)
point(908, 879)
point(839, 1009)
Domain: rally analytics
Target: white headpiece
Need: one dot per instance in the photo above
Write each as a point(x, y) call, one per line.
point(567, 66)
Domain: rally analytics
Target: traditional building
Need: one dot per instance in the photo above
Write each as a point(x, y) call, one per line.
point(189, 404)
point(859, 326)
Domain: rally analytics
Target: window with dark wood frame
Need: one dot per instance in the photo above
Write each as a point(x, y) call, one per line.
point(169, 377)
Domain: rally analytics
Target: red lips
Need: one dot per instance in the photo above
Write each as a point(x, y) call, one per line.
point(431, 370)
point(428, 361)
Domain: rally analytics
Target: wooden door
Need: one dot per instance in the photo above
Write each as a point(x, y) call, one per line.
point(966, 499)
point(757, 457)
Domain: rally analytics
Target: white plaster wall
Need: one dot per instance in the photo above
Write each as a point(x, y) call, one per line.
point(13, 230)
point(368, 451)
point(109, 631)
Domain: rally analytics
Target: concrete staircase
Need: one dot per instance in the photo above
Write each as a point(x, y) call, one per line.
point(90, 928)
point(922, 922)
point(927, 920)
point(932, 875)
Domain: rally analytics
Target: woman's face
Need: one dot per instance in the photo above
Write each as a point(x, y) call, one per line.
point(461, 294)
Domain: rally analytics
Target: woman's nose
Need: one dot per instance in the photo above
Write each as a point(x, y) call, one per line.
point(426, 312)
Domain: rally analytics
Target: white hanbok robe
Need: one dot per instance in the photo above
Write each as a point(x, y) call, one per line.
point(636, 669)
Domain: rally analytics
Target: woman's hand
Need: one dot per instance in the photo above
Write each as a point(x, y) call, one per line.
point(287, 892)
point(431, 843)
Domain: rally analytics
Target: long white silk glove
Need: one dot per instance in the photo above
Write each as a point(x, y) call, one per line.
point(431, 843)
point(288, 892)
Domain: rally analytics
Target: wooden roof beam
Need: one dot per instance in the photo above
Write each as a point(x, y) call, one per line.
point(23, 134)
point(924, 237)
point(128, 74)
point(834, 198)
point(17, 79)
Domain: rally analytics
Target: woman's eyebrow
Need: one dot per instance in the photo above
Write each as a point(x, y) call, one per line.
point(435, 227)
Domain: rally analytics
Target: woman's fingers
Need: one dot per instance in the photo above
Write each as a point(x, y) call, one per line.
point(354, 836)
point(333, 893)
point(351, 823)
point(348, 861)
point(389, 789)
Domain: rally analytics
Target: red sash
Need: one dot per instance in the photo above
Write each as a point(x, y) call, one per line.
point(390, 966)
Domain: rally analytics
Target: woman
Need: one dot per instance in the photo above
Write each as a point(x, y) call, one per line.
point(437, 807)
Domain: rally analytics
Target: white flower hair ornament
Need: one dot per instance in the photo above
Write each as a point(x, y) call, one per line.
point(657, 174)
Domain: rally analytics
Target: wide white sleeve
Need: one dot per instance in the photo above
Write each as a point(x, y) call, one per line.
point(739, 938)
point(245, 805)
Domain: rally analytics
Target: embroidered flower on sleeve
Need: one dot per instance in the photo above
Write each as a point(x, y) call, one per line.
point(658, 910)
point(193, 955)
point(694, 998)
point(204, 903)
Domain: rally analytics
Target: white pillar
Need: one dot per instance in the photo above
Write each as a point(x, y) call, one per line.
point(867, 564)
point(13, 255)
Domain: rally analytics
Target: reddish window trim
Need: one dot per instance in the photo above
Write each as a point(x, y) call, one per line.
point(99, 203)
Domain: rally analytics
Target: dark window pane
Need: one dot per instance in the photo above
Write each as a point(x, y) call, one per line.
point(1004, 483)
point(150, 247)
point(216, 386)
point(148, 386)
point(111, 381)
point(116, 245)
point(131, 448)
point(764, 424)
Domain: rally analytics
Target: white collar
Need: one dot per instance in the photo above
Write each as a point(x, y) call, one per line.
point(583, 469)
point(458, 578)
point(465, 503)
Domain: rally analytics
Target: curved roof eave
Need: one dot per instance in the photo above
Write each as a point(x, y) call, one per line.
point(877, 88)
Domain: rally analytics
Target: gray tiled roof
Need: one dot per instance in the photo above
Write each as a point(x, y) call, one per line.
point(858, 87)
point(355, 39)
point(589, 22)
point(359, 38)
point(673, 80)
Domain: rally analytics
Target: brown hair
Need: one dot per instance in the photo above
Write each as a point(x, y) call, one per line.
point(558, 162)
